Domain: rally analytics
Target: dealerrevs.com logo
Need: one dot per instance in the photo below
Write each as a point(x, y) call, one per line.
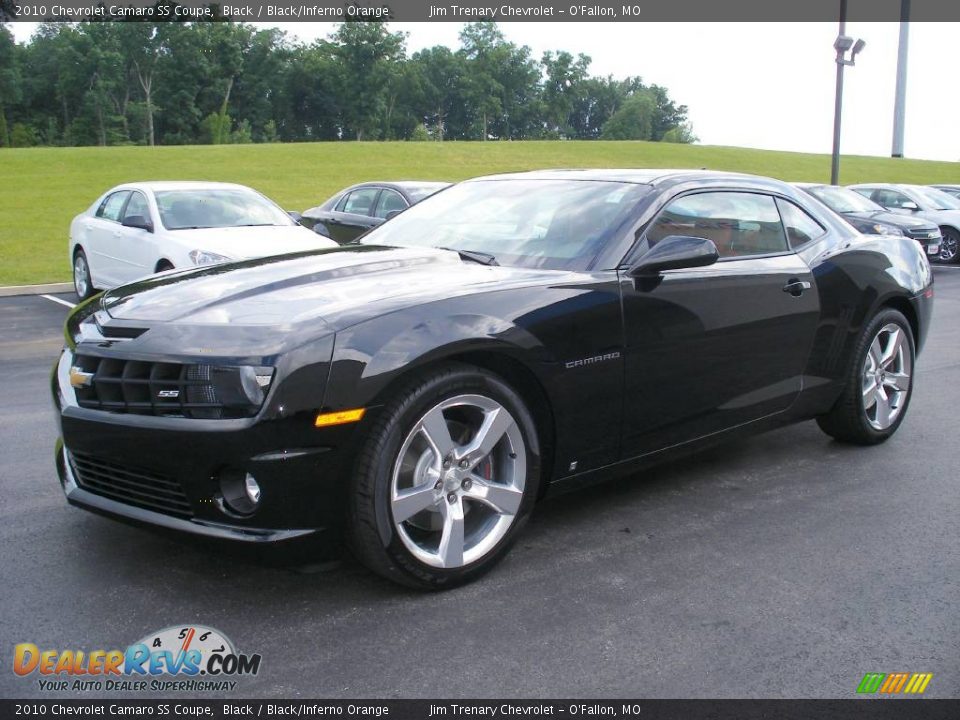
point(187, 658)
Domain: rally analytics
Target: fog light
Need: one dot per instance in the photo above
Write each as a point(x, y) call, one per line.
point(239, 492)
point(252, 488)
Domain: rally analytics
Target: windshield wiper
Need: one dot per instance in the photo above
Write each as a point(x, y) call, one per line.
point(474, 255)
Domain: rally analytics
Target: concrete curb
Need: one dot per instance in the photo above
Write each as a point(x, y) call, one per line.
point(9, 290)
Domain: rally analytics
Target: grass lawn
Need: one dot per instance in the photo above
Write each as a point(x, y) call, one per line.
point(43, 188)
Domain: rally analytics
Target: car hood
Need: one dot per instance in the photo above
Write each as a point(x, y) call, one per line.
point(338, 287)
point(241, 243)
point(942, 217)
point(889, 218)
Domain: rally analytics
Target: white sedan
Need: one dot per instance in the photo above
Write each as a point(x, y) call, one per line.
point(138, 229)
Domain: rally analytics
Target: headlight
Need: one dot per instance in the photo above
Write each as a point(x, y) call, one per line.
point(887, 230)
point(202, 257)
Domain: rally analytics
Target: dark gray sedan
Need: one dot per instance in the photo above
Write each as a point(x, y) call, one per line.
point(353, 211)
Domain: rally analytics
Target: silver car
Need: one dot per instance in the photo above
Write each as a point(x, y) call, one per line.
point(921, 201)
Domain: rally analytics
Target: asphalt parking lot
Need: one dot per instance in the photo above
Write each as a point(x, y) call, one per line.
point(786, 565)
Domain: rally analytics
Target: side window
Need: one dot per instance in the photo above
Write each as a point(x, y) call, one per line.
point(359, 202)
point(739, 223)
point(111, 207)
point(137, 206)
point(890, 198)
point(801, 228)
point(390, 201)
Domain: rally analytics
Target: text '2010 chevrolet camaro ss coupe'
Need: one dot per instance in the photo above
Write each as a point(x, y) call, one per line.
point(417, 393)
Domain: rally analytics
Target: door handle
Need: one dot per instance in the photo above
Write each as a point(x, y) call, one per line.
point(796, 287)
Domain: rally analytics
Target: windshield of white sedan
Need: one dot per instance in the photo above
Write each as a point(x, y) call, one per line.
point(552, 224)
point(938, 199)
point(192, 209)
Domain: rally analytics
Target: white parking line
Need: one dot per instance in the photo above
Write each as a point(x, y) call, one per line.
point(58, 300)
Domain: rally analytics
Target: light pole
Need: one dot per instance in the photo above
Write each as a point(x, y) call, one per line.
point(842, 44)
point(900, 101)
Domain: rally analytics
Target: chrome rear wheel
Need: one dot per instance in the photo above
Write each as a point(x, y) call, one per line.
point(82, 283)
point(887, 370)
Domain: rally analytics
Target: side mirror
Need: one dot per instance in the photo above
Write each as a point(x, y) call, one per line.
point(295, 216)
point(137, 221)
point(910, 205)
point(675, 252)
point(393, 214)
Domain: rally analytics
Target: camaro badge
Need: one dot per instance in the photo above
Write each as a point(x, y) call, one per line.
point(80, 378)
point(591, 360)
point(168, 394)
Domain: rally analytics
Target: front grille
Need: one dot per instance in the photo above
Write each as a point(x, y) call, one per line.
point(160, 388)
point(130, 485)
point(923, 234)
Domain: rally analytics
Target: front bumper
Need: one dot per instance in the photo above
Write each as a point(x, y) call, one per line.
point(128, 467)
point(125, 512)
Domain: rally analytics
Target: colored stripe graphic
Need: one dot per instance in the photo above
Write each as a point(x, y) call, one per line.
point(894, 683)
point(871, 682)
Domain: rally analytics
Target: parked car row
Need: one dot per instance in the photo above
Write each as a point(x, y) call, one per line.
point(138, 229)
point(929, 214)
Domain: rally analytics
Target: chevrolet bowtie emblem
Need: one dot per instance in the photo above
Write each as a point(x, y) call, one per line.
point(80, 378)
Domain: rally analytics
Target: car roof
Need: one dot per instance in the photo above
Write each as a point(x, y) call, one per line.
point(398, 184)
point(945, 185)
point(639, 176)
point(886, 186)
point(162, 185)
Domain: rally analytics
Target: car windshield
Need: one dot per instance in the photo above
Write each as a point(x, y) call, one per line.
point(552, 224)
point(217, 208)
point(937, 199)
point(842, 200)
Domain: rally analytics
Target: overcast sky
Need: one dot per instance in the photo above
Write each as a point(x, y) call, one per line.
point(765, 85)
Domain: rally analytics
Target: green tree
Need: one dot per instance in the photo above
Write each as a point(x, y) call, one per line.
point(563, 88)
point(483, 89)
point(443, 88)
point(367, 53)
point(10, 81)
point(681, 134)
point(633, 121)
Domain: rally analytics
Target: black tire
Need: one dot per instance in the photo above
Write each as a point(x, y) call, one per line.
point(949, 246)
point(849, 420)
point(82, 280)
point(371, 534)
point(164, 265)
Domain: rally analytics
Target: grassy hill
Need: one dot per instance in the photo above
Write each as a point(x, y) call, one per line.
point(43, 188)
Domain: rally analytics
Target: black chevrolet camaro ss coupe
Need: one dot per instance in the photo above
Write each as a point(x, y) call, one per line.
point(511, 336)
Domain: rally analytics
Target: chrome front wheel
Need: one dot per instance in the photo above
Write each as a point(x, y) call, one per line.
point(949, 250)
point(446, 479)
point(458, 481)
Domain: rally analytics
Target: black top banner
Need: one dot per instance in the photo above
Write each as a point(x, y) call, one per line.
point(475, 10)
